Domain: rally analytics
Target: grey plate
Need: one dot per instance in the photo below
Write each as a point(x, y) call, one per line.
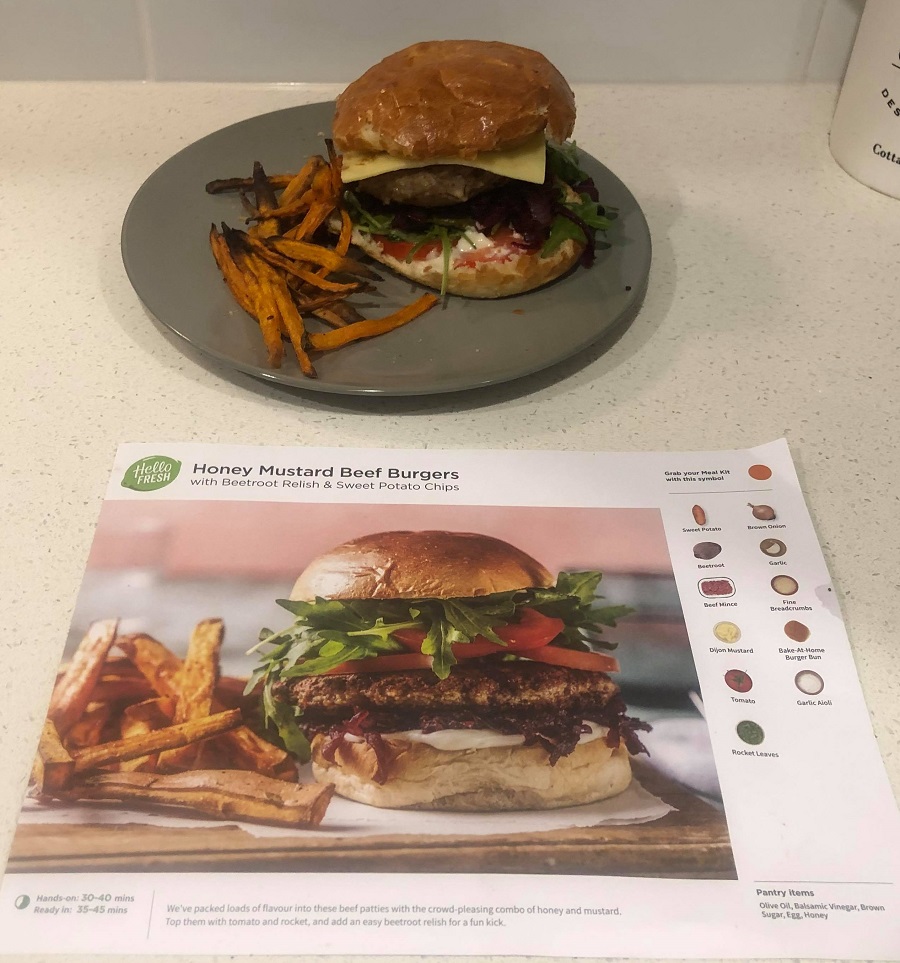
point(458, 345)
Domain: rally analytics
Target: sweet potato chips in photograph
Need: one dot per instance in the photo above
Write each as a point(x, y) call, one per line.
point(131, 722)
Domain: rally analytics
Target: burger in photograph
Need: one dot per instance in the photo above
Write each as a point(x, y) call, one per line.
point(449, 671)
point(457, 169)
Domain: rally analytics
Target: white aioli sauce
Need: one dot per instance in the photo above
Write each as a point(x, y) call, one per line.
point(454, 740)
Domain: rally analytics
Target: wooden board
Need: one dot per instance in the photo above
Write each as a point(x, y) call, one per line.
point(690, 843)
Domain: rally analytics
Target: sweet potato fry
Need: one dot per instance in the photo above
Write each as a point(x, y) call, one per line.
point(265, 309)
point(119, 666)
point(154, 661)
point(314, 218)
point(320, 191)
point(296, 208)
point(196, 686)
point(248, 751)
point(316, 254)
point(334, 166)
point(301, 181)
point(73, 691)
point(336, 315)
point(329, 340)
point(265, 203)
point(314, 280)
point(53, 768)
point(225, 794)
point(330, 317)
point(309, 300)
point(121, 688)
point(293, 322)
point(148, 716)
point(88, 731)
point(199, 671)
point(232, 274)
point(161, 669)
point(296, 268)
point(233, 184)
point(96, 757)
point(343, 242)
point(139, 719)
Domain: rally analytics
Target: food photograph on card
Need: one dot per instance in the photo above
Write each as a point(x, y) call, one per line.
point(384, 687)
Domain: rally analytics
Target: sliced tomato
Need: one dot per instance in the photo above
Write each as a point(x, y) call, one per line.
point(531, 631)
point(506, 244)
point(401, 249)
point(588, 661)
point(411, 638)
point(383, 663)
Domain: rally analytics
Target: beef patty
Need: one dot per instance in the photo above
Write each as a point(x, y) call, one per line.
point(546, 704)
point(433, 186)
point(502, 687)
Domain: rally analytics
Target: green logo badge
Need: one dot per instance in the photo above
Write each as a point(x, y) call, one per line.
point(151, 473)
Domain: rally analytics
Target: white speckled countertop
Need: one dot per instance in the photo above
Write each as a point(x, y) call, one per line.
point(773, 311)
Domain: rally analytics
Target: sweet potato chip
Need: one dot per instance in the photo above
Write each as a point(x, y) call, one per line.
point(73, 691)
point(329, 340)
point(225, 794)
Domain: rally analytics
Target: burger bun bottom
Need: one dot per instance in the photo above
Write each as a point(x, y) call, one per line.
point(473, 780)
point(489, 279)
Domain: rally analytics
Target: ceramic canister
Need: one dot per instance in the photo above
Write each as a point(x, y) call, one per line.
point(865, 132)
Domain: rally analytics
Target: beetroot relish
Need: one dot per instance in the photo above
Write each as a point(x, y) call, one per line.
point(557, 732)
point(357, 727)
point(515, 208)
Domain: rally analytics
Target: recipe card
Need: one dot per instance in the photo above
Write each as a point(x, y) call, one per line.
point(455, 702)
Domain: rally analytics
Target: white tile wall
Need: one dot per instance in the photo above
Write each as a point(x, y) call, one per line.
point(834, 39)
point(334, 40)
point(70, 40)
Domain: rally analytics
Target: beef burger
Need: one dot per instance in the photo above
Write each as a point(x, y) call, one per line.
point(448, 670)
point(457, 170)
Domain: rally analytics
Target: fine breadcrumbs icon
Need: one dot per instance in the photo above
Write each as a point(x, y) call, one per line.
point(785, 585)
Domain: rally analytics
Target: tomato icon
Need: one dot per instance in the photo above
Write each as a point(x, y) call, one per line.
point(738, 680)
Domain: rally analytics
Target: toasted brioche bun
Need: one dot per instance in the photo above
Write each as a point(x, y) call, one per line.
point(473, 780)
point(410, 565)
point(454, 98)
point(523, 271)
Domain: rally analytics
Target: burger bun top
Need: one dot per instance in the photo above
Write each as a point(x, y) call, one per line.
point(426, 564)
point(449, 98)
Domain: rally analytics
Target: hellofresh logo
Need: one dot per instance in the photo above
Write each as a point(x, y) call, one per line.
point(151, 473)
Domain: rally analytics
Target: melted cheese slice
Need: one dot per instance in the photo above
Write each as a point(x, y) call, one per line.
point(523, 163)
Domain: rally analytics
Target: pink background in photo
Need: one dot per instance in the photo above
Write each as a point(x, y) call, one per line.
point(265, 540)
